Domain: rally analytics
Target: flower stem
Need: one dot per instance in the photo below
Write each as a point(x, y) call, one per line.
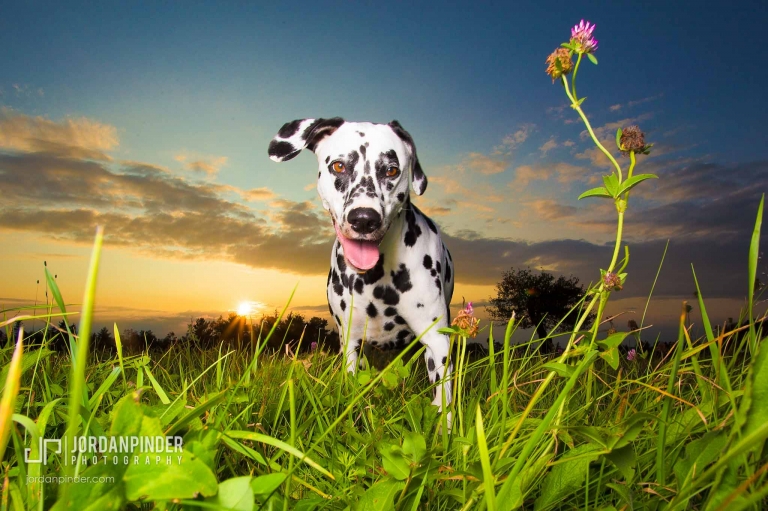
point(577, 107)
point(573, 80)
point(631, 164)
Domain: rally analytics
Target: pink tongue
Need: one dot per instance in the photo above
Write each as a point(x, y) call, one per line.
point(362, 254)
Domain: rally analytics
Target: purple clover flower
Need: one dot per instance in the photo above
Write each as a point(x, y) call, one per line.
point(581, 37)
point(313, 346)
point(631, 354)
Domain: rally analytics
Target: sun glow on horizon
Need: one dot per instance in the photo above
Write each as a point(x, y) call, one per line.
point(249, 308)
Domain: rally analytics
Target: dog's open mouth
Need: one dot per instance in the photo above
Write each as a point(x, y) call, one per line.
point(362, 254)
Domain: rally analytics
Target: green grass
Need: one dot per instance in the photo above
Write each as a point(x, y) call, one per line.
point(685, 430)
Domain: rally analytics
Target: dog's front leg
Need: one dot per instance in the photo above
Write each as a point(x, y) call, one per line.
point(438, 366)
point(350, 344)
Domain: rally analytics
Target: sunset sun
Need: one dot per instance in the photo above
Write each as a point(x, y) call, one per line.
point(247, 308)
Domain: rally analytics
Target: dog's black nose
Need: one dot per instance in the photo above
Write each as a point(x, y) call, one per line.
point(364, 220)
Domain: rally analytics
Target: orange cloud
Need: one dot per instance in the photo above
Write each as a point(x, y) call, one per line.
point(73, 138)
point(482, 164)
point(548, 146)
point(551, 210)
point(207, 165)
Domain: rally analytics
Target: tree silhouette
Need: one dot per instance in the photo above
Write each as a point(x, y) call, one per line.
point(539, 300)
point(103, 340)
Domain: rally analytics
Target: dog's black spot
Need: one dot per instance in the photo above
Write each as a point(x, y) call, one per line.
point(383, 163)
point(337, 287)
point(387, 294)
point(444, 359)
point(402, 279)
point(402, 335)
point(359, 286)
point(329, 279)
point(283, 150)
point(318, 175)
point(390, 186)
point(390, 311)
point(401, 197)
point(430, 365)
point(345, 281)
point(352, 158)
point(449, 254)
point(330, 309)
point(371, 310)
point(343, 179)
point(374, 274)
point(399, 320)
point(343, 305)
point(340, 183)
point(361, 133)
point(389, 326)
point(433, 272)
point(447, 272)
point(289, 129)
point(341, 263)
point(437, 265)
point(438, 284)
point(362, 150)
point(419, 305)
point(367, 167)
point(414, 231)
point(434, 319)
point(327, 159)
point(427, 262)
point(400, 343)
point(338, 321)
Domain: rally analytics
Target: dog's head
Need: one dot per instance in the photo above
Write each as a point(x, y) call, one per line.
point(365, 170)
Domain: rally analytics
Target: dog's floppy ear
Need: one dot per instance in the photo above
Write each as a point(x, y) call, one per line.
point(419, 179)
point(296, 135)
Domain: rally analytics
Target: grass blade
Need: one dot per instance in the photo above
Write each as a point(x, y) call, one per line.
point(754, 254)
point(78, 391)
point(10, 391)
point(485, 460)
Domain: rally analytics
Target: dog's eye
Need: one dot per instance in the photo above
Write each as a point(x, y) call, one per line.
point(338, 166)
point(392, 171)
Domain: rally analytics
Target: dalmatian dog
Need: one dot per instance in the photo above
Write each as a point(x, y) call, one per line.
point(390, 271)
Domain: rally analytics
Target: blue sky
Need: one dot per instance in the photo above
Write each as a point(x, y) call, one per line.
point(187, 87)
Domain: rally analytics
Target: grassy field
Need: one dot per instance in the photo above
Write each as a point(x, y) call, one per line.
point(684, 429)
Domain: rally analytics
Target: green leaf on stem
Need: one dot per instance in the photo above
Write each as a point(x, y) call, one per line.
point(596, 192)
point(394, 461)
point(612, 357)
point(625, 460)
point(592, 58)
point(566, 45)
point(612, 184)
point(634, 181)
point(618, 138)
point(561, 369)
point(613, 340)
point(558, 65)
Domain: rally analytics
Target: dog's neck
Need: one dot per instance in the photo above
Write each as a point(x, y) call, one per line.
point(392, 241)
